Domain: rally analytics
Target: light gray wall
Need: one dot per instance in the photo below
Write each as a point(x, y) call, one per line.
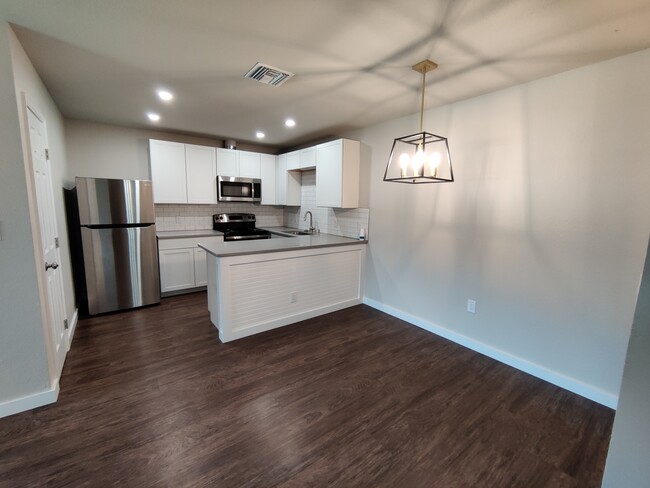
point(109, 151)
point(28, 82)
point(545, 227)
point(629, 449)
point(23, 359)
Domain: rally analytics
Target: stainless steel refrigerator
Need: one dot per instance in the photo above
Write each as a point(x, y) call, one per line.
point(118, 237)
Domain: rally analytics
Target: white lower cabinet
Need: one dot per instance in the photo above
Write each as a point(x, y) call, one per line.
point(183, 265)
point(200, 267)
point(176, 269)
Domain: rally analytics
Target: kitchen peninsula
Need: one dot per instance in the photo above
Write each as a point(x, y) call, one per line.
point(260, 285)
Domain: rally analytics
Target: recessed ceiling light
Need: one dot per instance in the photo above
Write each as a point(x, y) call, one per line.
point(290, 123)
point(153, 117)
point(259, 134)
point(165, 95)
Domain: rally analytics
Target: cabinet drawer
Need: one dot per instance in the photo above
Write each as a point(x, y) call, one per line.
point(187, 242)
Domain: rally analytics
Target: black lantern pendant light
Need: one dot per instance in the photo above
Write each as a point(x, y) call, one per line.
point(421, 157)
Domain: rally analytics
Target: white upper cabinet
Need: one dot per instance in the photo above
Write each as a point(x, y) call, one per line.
point(168, 171)
point(293, 160)
point(337, 174)
point(289, 182)
point(308, 158)
point(268, 171)
point(200, 169)
point(227, 162)
point(249, 164)
point(182, 173)
point(244, 164)
point(281, 180)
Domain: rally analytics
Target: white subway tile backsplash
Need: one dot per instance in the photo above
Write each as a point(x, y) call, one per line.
point(197, 217)
point(342, 222)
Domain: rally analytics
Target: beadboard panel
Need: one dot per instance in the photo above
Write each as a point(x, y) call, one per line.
point(261, 292)
point(264, 290)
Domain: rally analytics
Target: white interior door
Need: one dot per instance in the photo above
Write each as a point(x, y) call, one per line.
point(55, 307)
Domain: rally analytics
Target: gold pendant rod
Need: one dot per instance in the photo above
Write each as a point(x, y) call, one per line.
point(424, 77)
point(423, 67)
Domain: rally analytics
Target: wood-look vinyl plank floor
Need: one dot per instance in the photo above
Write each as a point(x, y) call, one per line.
point(151, 398)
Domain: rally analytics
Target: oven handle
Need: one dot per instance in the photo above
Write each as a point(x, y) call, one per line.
point(246, 238)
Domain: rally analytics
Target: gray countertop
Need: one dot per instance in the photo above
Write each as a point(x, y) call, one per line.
point(178, 234)
point(277, 244)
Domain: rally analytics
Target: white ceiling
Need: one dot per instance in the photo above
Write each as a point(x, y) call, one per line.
point(102, 60)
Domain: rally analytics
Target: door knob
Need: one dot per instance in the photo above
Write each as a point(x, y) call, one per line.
point(48, 265)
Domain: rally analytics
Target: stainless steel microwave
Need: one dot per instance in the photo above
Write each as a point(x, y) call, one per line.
point(233, 189)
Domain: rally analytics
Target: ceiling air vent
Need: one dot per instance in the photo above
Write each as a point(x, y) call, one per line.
point(268, 74)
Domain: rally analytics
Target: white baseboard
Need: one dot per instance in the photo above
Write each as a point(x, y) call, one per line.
point(578, 387)
point(46, 397)
point(29, 402)
point(72, 326)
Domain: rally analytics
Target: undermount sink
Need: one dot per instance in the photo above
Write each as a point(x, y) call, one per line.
point(298, 232)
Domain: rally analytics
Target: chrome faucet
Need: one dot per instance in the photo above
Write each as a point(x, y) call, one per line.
point(311, 224)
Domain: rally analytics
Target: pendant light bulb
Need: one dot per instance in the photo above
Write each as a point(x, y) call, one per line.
point(404, 161)
point(418, 161)
point(434, 162)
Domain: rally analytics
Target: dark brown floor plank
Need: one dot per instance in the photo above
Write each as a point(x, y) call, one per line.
point(355, 398)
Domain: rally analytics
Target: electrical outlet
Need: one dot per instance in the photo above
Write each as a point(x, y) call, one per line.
point(471, 306)
point(293, 297)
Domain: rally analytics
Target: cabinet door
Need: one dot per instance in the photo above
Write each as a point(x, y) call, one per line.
point(200, 166)
point(308, 158)
point(168, 171)
point(268, 165)
point(281, 179)
point(249, 164)
point(200, 267)
point(337, 174)
point(227, 162)
point(176, 269)
point(329, 174)
point(294, 188)
point(293, 160)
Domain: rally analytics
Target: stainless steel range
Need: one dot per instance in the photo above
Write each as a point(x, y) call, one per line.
point(238, 227)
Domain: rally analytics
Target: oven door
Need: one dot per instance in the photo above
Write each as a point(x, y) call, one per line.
point(245, 234)
point(246, 238)
point(233, 189)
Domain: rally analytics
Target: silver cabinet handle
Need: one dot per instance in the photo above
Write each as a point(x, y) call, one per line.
point(48, 265)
